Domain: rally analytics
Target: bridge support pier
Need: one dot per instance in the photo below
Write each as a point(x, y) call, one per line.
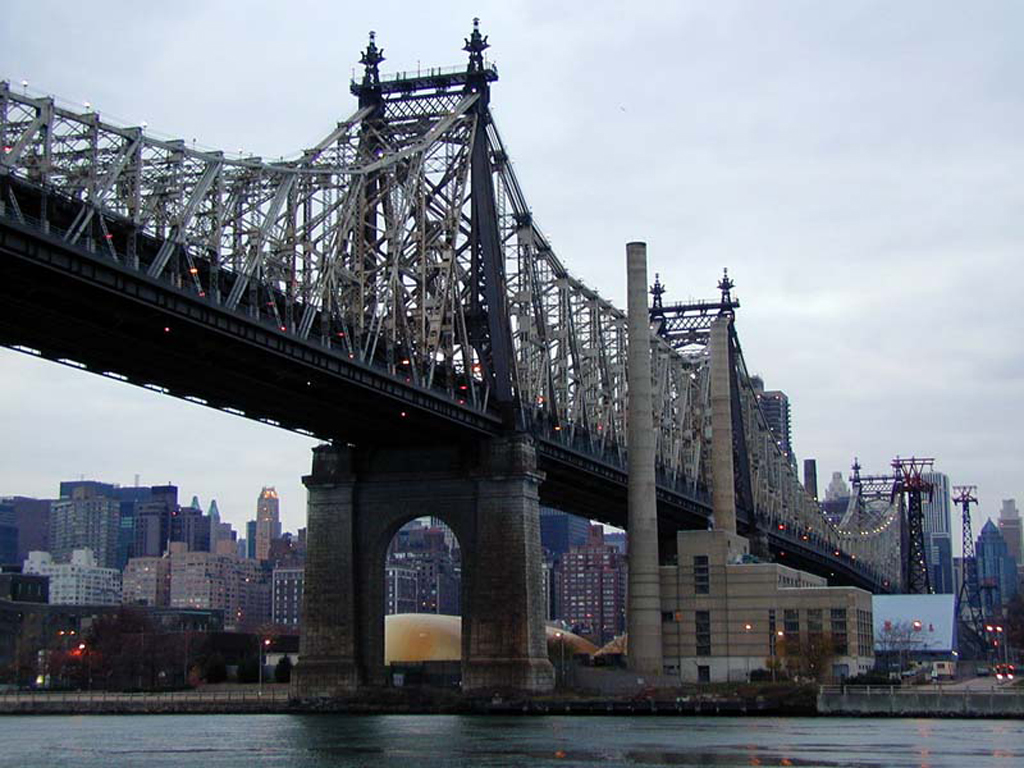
point(358, 499)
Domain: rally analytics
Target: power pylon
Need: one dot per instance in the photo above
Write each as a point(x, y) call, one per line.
point(968, 597)
point(916, 579)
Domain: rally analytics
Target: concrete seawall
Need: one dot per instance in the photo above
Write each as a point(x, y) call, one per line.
point(175, 702)
point(882, 701)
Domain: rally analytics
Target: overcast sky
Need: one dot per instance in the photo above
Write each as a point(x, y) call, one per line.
point(857, 166)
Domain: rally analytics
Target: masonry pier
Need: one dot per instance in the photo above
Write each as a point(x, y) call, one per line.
point(486, 492)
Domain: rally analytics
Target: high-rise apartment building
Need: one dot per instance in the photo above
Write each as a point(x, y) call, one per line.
point(220, 582)
point(400, 589)
point(32, 519)
point(8, 536)
point(190, 526)
point(268, 522)
point(147, 581)
point(811, 477)
point(152, 521)
point(286, 602)
point(78, 582)
point(86, 520)
point(591, 585)
point(430, 554)
point(937, 532)
point(775, 407)
point(1010, 527)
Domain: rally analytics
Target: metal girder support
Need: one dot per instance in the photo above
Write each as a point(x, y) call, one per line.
point(497, 358)
point(184, 219)
point(256, 244)
point(98, 194)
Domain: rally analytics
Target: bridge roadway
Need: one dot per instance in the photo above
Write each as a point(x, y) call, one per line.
point(81, 307)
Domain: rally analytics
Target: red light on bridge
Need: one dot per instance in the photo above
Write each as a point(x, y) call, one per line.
point(782, 527)
point(167, 329)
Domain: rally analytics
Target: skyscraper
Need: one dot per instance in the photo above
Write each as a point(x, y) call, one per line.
point(1010, 527)
point(268, 522)
point(86, 520)
point(775, 407)
point(811, 477)
point(997, 570)
point(937, 533)
point(559, 530)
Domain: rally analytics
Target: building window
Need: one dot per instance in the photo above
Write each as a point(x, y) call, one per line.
point(839, 642)
point(864, 633)
point(703, 674)
point(814, 625)
point(701, 575)
point(791, 627)
point(703, 633)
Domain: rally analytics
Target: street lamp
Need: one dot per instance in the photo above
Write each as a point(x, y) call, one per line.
point(746, 641)
point(262, 646)
point(780, 634)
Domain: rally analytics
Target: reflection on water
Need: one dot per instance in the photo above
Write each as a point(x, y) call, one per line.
point(409, 741)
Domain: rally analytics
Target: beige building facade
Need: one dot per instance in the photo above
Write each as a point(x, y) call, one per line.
point(222, 582)
point(147, 581)
point(724, 616)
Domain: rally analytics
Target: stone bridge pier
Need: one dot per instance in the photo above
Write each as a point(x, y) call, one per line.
point(359, 498)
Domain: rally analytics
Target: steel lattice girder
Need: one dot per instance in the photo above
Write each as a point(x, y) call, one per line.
point(365, 243)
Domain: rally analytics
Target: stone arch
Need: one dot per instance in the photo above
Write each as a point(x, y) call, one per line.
point(487, 494)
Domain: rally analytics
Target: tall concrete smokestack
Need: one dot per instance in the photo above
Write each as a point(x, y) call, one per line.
point(644, 619)
point(723, 482)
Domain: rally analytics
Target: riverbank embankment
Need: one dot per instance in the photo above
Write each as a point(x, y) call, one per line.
point(919, 701)
point(278, 699)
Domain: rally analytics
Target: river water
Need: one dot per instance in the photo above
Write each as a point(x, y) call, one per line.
point(411, 741)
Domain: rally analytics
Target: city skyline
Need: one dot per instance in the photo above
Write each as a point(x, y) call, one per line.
point(853, 166)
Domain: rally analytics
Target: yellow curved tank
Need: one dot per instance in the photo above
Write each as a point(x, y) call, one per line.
point(411, 637)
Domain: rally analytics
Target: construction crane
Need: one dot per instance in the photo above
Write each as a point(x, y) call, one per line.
point(968, 597)
point(916, 580)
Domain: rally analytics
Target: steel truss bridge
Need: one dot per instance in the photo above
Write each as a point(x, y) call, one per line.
point(389, 284)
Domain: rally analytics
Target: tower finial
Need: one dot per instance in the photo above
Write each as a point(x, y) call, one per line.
point(725, 285)
point(657, 290)
point(475, 45)
point(371, 57)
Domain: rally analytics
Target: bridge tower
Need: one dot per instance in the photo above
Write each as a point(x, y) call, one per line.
point(968, 598)
point(916, 580)
point(484, 487)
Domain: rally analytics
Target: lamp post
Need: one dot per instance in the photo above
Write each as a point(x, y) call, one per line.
point(561, 656)
point(262, 644)
point(779, 634)
point(746, 650)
